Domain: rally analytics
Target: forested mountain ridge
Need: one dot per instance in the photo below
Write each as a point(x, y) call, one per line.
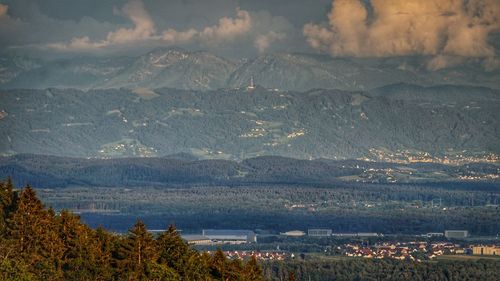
point(53, 171)
point(200, 70)
point(399, 119)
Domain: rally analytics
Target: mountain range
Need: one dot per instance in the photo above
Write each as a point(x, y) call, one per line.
point(200, 70)
point(395, 120)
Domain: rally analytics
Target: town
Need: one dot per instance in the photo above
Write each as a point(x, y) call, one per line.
point(422, 247)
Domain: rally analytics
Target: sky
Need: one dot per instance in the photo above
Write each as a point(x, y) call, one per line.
point(445, 32)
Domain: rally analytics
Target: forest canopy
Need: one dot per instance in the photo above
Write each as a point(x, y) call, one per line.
point(37, 243)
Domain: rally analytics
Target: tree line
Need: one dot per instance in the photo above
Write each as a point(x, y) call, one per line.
point(37, 243)
point(385, 269)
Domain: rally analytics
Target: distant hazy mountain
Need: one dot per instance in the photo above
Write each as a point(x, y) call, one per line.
point(174, 68)
point(178, 68)
point(82, 73)
point(304, 72)
point(13, 66)
point(238, 124)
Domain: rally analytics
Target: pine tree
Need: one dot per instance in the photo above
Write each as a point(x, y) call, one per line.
point(102, 251)
point(235, 270)
point(252, 270)
point(6, 204)
point(291, 276)
point(175, 253)
point(33, 233)
point(38, 244)
point(171, 248)
point(81, 257)
point(136, 252)
point(218, 266)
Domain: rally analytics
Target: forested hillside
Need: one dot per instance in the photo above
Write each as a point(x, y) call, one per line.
point(53, 171)
point(39, 244)
point(397, 121)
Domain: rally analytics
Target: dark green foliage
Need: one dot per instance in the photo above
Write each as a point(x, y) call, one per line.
point(253, 272)
point(52, 171)
point(38, 244)
point(367, 269)
point(405, 209)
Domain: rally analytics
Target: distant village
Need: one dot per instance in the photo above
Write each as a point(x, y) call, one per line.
point(450, 242)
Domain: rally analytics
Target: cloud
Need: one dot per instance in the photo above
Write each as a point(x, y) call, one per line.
point(80, 43)
point(448, 31)
point(3, 10)
point(173, 36)
point(262, 42)
point(144, 29)
point(219, 26)
point(227, 29)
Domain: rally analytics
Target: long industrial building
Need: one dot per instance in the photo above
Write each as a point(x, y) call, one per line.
point(456, 234)
point(319, 232)
point(233, 236)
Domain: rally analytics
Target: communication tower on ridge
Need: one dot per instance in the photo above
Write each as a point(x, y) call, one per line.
point(251, 86)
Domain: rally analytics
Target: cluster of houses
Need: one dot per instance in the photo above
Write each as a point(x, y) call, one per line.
point(415, 251)
point(271, 255)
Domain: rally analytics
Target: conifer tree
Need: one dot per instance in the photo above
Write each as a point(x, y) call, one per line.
point(291, 276)
point(136, 252)
point(175, 253)
point(235, 270)
point(218, 266)
point(32, 231)
point(102, 250)
point(252, 270)
point(80, 259)
point(6, 203)
point(171, 248)
point(39, 244)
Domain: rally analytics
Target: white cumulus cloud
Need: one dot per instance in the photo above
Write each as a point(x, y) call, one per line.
point(3, 10)
point(263, 41)
point(446, 30)
point(143, 29)
point(227, 29)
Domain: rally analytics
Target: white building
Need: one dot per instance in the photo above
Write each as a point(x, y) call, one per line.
point(319, 232)
point(232, 236)
point(293, 233)
point(195, 239)
point(456, 234)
